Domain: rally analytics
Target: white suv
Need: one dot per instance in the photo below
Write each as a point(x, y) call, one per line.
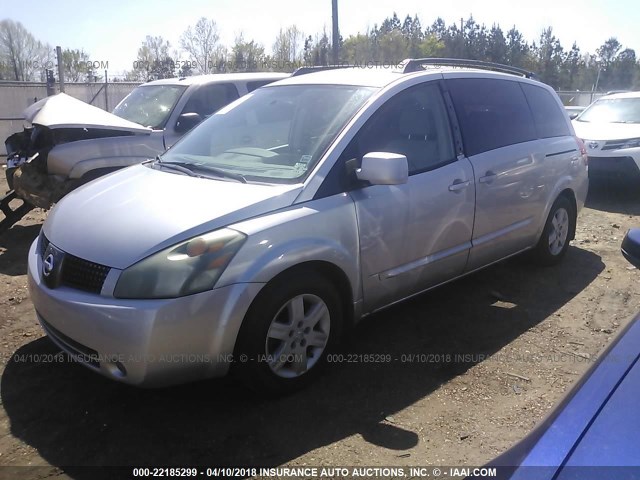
point(610, 128)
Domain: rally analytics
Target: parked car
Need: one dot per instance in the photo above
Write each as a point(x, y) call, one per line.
point(68, 142)
point(574, 110)
point(593, 431)
point(270, 229)
point(610, 128)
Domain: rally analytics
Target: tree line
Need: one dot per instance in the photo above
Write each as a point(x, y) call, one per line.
point(610, 67)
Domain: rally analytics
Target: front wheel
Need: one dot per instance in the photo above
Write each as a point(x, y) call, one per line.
point(554, 242)
point(287, 334)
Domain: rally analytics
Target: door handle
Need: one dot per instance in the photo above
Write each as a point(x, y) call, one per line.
point(458, 185)
point(488, 177)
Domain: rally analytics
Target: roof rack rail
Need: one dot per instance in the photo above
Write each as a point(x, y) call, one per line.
point(415, 65)
point(304, 70)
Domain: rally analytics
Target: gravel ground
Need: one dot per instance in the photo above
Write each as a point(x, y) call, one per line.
point(474, 365)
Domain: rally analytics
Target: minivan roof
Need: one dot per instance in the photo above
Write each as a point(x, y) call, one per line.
point(380, 77)
point(219, 77)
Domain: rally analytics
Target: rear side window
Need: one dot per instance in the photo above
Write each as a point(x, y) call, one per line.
point(492, 113)
point(251, 86)
point(548, 116)
point(211, 98)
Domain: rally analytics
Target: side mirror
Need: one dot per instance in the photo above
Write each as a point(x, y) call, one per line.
point(631, 247)
point(187, 121)
point(382, 168)
point(573, 115)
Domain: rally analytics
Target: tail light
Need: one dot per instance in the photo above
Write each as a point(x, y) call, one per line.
point(583, 150)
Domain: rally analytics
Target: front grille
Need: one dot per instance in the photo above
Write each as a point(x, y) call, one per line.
point(80, 351)
point(82, 274)
point(78, 273)
point(614, 144)
point(42, 246)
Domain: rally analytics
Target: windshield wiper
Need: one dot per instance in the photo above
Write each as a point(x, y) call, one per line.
point(182, 167)
point(218, 172)
point(188, 168)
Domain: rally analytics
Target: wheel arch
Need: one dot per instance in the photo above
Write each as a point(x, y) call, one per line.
point(332, 273)
point(570, 195)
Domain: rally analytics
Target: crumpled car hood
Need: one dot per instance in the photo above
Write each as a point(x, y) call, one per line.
point(124, 217)
point(64, 111)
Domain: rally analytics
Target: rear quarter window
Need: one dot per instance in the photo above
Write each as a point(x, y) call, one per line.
point(548, 117)
point(492, 113)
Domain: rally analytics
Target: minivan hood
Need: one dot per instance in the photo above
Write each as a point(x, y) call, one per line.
point(606, 131)
point(122, 218)
point(64, 111)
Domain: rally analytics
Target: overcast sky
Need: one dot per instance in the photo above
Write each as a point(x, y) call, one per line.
point(112, 31)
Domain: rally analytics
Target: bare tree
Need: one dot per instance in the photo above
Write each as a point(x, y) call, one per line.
point(24, 56)
point(76, 65)
point(247, 56)
point(288, 49)
point(154, 60)
point(201, 43)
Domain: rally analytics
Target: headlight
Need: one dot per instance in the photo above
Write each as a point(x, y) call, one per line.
point(189, 267)
point(631, 143)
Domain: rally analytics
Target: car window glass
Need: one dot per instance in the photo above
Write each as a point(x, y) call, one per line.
point(150, 105)
point(274, 134)
point(492, 113)
point(211, 98)
point(414, 123)
point(548, 116)
point(251, 86)
point(612, 110)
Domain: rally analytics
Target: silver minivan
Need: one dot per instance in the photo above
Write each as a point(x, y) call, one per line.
point(258, 240)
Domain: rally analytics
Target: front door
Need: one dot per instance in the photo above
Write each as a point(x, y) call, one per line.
point(416, 235)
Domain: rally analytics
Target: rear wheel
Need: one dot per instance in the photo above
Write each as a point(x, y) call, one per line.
point(554, 242)
point(287, 334)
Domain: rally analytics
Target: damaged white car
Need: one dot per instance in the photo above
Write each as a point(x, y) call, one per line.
point(67, 142)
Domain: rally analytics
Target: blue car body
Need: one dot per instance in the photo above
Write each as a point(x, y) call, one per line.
point(594, 432)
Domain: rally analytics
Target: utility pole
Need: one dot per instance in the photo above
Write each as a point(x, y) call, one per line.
point(60, 68)
point(106, 95)
point(335, 35)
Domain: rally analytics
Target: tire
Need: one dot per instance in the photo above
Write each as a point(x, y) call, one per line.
point(287, 334)
point(554, 241)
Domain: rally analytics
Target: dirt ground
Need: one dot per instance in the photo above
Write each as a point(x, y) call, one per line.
point(496, 352)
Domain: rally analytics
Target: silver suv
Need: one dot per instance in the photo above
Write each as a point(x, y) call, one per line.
point(263, 235)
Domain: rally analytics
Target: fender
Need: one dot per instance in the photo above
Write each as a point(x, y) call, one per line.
point(84, 167)
point(326, 230)
point(564, 183)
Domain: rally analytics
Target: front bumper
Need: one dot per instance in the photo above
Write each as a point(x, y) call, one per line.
point(614, 167)
point(143, 342)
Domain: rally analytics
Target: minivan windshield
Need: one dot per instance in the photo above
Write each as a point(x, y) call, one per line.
point(613, 110)
point(272, 135)
point(150, 105)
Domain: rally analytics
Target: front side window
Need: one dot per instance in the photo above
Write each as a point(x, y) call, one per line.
point(613, 110)
point(150, 105)
point(414, 123)
point(272, 135)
